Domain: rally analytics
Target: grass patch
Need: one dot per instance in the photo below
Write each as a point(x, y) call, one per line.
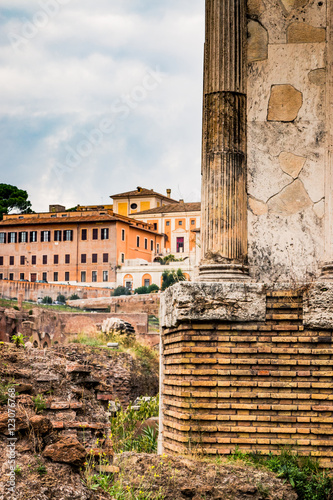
point(303, 473)
point(27, 305)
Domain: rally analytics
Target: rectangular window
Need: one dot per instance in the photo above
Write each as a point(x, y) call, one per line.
point(105, 257)
point(11, 276)
point(1, 261)
point(55, 276)
point(66, 276)
point(83, 258)
point(68, 235)
point(21, 276)
point(123, 258)
point(94, 258)
point(146, 244)
point(105, 276)
point(151, 245)
point(146, 282)
point(138, 241)
point(22, 260)
point(95, 234)
point(167, 223)
point(12, 237)
point(94, 276)
point(105, 234)
point(155, 226)
point(2, 237)
point(55, 259)
point(33, 260)
point(45, 236)
point(180, 223)
point(180, 244)
point(158, 248)
point(84, 235)
point(1, 276)
point(44, 259)
point(11, 260)
point(23, 237)
point(44, 276)
point(67, 258)
point(192, 222)
point(33, 236)
point(123, 235)
point(57, 235)
point(83, 276)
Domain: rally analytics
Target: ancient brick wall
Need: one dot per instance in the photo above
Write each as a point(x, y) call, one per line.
point(258, 386)
point(33, 291)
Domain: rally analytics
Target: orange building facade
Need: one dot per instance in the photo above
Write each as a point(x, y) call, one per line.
point(77, 247)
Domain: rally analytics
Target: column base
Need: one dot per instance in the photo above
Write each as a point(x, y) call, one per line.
point(223, 272)
point(327, 271)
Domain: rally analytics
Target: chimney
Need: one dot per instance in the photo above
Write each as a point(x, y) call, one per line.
point(139, 189)
point(168, 191)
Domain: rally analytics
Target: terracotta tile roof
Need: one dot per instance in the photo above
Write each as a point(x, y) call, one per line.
point(142, 192)
point(172, 208)
point(84, 219)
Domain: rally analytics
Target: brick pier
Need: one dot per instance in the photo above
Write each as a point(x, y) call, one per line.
point(255, 385)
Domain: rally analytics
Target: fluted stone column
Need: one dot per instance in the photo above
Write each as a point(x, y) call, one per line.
point(327, 269)
point(224, 198)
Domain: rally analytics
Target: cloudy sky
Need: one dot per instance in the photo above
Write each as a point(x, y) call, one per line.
point(99, 97)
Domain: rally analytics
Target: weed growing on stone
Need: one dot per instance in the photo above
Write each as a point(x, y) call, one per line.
point(303, 473)
point(4, 386)
point(39, 402)
point(18, 340)
point(125, 428)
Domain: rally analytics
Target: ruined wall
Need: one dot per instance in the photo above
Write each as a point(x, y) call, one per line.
point(286, 137)
point(34, 291)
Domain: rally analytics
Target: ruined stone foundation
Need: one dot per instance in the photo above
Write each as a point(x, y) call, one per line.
point(258, 384)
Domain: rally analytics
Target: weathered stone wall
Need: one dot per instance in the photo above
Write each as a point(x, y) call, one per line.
point(124, 304)
point(258, 385)
point(33, 291)
point(286, 137)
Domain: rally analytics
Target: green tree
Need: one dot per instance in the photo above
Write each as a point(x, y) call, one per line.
point(141, 290)
point(169, 278)
point(153, 288)
point(121, 290)
point(13, 198)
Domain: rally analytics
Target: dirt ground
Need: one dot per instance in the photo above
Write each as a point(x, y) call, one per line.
point(181, 478)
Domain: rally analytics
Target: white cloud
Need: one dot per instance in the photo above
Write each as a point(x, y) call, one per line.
point(58, 87)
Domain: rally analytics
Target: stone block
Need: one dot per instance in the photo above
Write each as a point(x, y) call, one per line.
point(291, 200)
point(243, 302)
point(318, 305)
point(291, 164)
point(298, 32)
point(257, 49)
point(284, 103)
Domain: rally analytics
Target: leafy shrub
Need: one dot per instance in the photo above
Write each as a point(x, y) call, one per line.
point(125, 424)
point(47, 300)
point(61, 299)
point(74, 297)
point(141, 290)
point(18, 340)
point(303, 473)
point(30, 312)
point(169, 278)
point(121, 290)
point(153, 288)
point(16, 308)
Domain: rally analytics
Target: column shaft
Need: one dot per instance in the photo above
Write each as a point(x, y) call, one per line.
point(224, 200)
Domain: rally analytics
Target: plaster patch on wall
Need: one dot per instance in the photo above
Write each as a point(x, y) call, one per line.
point(319, 208)
point(305, 33)
point(292, 199)
point(255, 7)
point(257, 207)
point(318, 76)
point(289, 5)
point(291, 164)
point(257, 49)
point(284, 103)
point(313, 178)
